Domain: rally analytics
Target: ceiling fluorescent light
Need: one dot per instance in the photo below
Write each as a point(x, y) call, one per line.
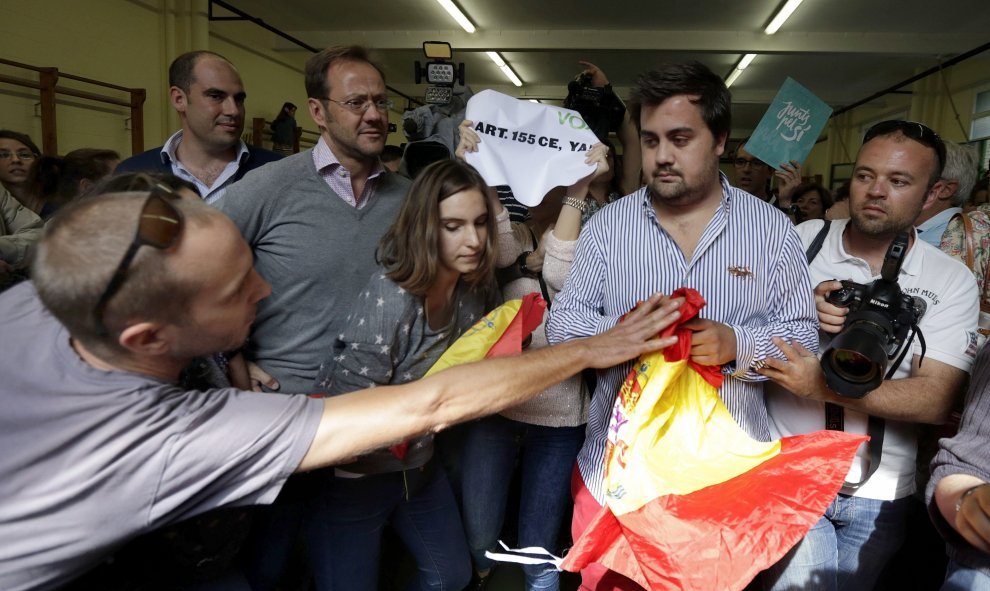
point(495, 57)
point(745, 61)
point(732, 77)
point(456, 13)
point(534, 101)
point(511, 75)
point(785, 13)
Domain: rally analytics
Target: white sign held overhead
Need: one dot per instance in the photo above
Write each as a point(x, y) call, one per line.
point(532, 148)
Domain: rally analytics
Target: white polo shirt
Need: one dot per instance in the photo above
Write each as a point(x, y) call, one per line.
point(948, 325)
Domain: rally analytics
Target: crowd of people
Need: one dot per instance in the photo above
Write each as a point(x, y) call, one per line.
point(215, 360)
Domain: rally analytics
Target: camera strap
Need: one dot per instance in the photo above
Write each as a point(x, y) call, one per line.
point(835, 418)
point(835, 421)
point(816, 244)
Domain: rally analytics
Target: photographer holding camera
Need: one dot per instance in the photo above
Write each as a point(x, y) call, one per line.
point(894, 285)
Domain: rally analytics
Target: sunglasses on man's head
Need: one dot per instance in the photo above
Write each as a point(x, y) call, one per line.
point(919, 132)
point(159, 226)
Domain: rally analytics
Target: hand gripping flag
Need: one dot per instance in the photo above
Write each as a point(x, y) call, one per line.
point(692, 502)
point(500, 333)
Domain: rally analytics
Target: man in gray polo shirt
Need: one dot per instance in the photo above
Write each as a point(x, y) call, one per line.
point(100, 445)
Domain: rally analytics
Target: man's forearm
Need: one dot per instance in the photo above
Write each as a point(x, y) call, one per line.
point(919, 399)
point(370, 419)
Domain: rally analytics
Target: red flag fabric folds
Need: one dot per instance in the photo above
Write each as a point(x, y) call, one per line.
point(692, 501)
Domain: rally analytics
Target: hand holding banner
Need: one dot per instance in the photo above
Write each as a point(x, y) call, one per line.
point(532, 148)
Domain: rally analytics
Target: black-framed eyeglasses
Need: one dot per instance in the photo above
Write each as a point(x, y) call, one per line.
point(159, 226)
point(750, 162)
point(359, 106)
point(919, 132)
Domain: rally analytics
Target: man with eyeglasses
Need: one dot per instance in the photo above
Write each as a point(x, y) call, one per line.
point(313, 221)
point(753, 176)
point(100, 444)
point(207, 93)
point(896, 177)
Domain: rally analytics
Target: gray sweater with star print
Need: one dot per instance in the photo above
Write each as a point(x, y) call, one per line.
point(387, 340)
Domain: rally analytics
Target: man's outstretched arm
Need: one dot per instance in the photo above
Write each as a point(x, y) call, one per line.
point(371, 419)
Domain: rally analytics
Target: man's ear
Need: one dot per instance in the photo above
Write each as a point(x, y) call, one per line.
point(934, 194)
point(317, 112)
point(949, 189)
point(178, 99)
point(146, 338)
point(720, 144)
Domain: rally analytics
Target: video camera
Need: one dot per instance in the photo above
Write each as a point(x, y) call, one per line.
point(598, 106)
point(880, 318)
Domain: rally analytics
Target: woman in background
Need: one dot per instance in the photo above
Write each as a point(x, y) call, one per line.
point(284, 130)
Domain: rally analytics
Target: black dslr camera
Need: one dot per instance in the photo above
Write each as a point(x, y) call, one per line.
point(598, 106)
point(880, 319)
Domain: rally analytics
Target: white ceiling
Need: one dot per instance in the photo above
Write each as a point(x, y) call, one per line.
point(842, 50)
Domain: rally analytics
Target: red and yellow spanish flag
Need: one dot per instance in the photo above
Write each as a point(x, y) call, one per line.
point(500, 333)
point(693, 502)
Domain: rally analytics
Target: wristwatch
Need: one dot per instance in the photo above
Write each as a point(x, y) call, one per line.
point(578, 204)
point(521, 262)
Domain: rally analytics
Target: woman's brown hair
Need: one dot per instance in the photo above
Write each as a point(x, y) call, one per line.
point(409, 250)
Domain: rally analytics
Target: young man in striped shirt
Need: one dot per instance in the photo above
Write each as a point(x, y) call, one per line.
point(686, 228)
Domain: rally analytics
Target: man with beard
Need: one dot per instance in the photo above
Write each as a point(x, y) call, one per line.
point(686, 228)
point(313, 221)
point(206, 91)
point(895, 178)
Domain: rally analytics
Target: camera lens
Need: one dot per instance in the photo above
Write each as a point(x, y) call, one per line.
point(855, 362)
point(853, 366)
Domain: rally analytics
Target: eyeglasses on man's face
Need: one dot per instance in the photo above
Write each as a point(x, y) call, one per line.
point(21, 154)
point(159, 226)
point(359, 105)
point(748, 163)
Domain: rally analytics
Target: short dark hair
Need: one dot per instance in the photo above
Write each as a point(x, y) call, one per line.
point(317, 66)
point(180, 72)
point(900, 130)
point(20, 137)
point(59, 178)
point(811, 187)
point(692, 79)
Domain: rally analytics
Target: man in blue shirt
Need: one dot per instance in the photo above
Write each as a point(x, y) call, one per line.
point(207, 92)
point(686, 228)
point(958, 178)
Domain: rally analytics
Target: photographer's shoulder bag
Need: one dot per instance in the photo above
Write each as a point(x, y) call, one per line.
point(835, 414)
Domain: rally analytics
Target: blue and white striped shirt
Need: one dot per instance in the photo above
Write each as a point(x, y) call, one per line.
point(749, 266)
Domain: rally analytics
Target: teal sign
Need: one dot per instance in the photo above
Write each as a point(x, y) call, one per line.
point(790, 127)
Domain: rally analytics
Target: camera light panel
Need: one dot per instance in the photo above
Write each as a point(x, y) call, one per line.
point(438, 95)
point(440, 73)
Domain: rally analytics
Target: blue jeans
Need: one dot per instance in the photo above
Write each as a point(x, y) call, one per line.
point(345, 531)
point(847, 549)
point(961, 578)
point(491, 449)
